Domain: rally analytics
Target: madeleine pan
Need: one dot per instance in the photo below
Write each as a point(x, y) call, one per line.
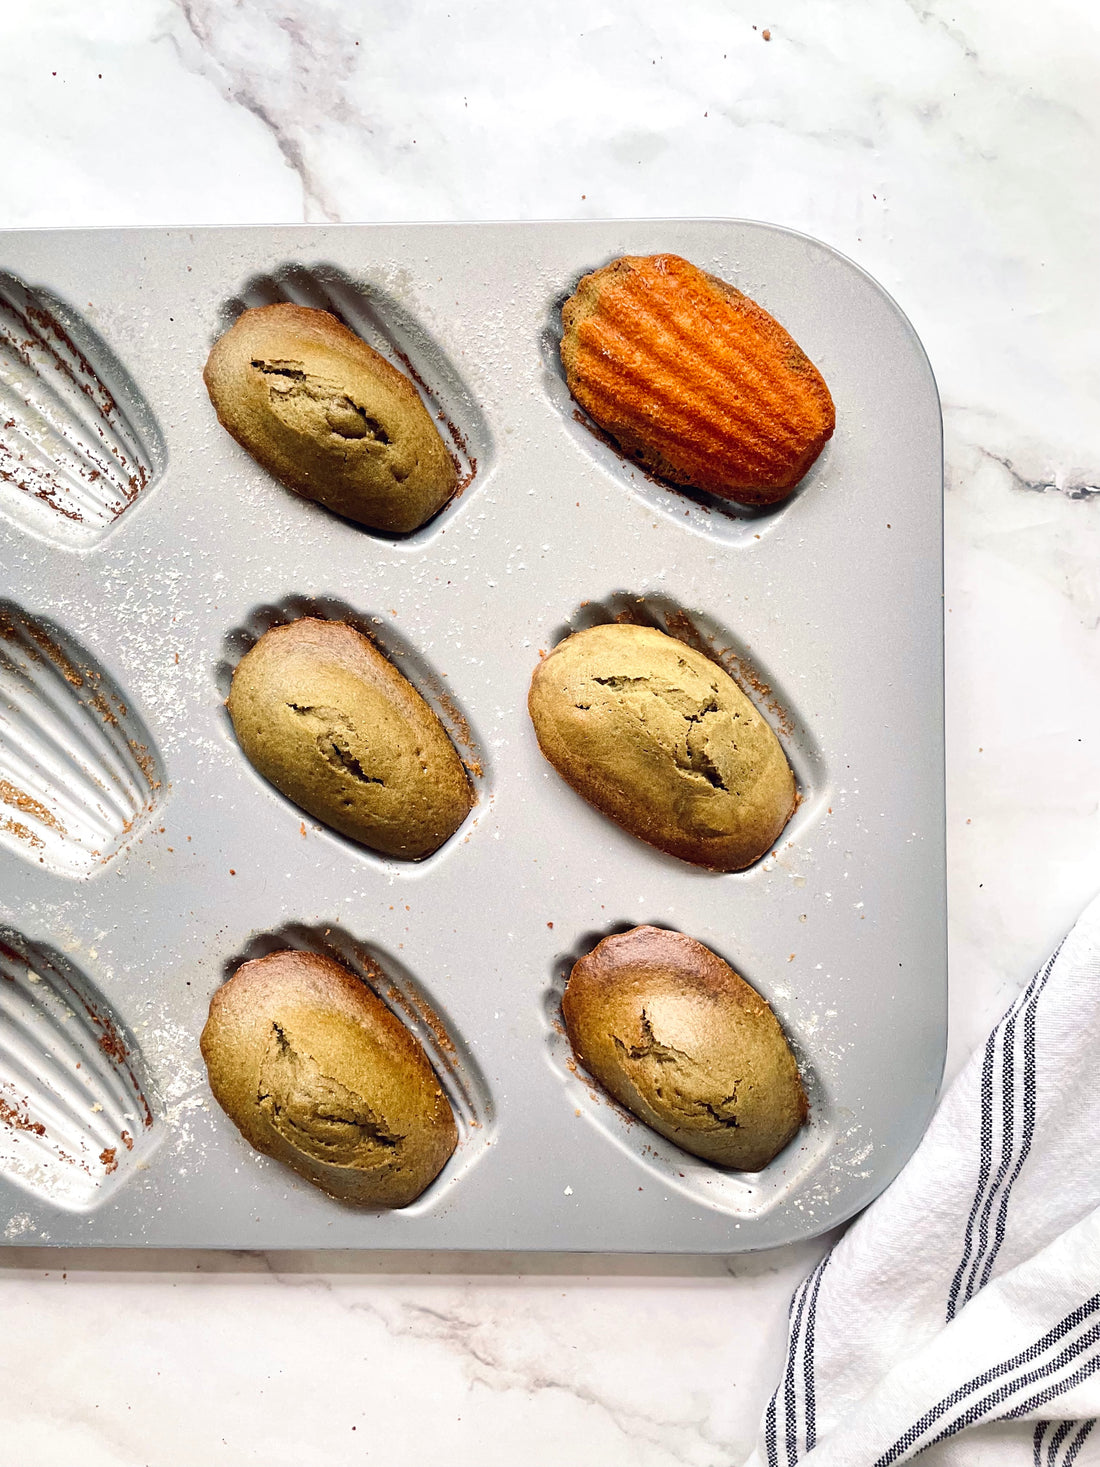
point(141, 857)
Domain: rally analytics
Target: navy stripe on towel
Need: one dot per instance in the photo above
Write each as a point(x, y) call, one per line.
point(1017, 1382)
point(998, 1103)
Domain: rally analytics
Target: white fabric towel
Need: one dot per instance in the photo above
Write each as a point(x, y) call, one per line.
point(959, 1318)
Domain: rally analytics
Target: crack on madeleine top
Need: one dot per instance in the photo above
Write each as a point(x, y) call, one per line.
point(651, 1047)
point(678, 721)
point(335, 741)
point(676, 1079)
point(315, 1113)
point(618, 681)
point(719, 1114)
point(343, 416)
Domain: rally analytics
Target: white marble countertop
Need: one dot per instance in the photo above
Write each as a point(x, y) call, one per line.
point(951, 147)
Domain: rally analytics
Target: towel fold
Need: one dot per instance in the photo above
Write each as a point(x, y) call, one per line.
point(959, 1318)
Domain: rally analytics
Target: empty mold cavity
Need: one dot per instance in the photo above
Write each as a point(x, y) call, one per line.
point(706, 514)
point(431, 686)
point(385, 323)
point(78, 443)
point(756, 681)
point(78, 770)
point(78, 1112)
point(454, 1064)
point(740, 1194)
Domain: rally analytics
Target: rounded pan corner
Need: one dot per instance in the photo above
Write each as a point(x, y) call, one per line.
point(706, 515)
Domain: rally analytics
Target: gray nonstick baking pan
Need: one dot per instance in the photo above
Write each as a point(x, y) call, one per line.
point(142, 858)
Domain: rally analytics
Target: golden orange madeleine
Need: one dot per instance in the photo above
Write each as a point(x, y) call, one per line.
point(693, 379)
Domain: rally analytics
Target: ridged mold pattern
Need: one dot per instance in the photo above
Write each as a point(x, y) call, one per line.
point(695, 379)
point(78, 770)
point(78, 1113)
point(387, 325)
point(458, 1071)
point(78, 444)
point(706, 514)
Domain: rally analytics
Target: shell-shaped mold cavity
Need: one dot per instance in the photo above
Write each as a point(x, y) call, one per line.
point(78, 769)
point(78, 443)
point(385, 323)
point(78, 1112)
point(736, 1193)
point(452, 1060)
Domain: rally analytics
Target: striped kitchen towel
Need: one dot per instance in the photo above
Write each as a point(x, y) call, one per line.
point(958, 1319)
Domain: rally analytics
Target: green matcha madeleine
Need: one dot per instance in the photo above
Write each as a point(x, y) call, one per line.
point(680, 1039)
point(662, 740)
point(329, 417)
point(323, 715)
point(315, 1071)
